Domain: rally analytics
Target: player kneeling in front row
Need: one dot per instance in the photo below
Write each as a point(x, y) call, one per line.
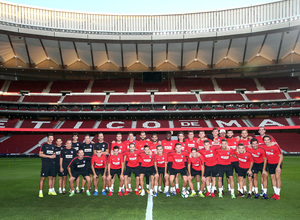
point(196, 168)
point(146, 168)
point(160, 165)
point(244, 169)
point(115, 167)
point(79, 166)
point(99, 167)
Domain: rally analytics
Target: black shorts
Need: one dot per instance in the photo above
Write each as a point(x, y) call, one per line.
point(257, 167)
point(76, 174)
point(195, 172)
point(225, 169)
point(135, 170)
point(148, 171)
point(176, 171)
point(99, 171)
point(57, 170)
point(243, 172)
point(161, 170)
point(235, 166)
point(113, 172)
point(210, 171)
point(48, 170)
point(272, 168)
point(169, 168)
point(89, 168)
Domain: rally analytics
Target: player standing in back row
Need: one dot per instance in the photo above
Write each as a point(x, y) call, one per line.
point(48, 165)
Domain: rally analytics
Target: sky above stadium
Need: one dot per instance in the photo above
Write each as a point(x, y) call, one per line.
point(140, 6)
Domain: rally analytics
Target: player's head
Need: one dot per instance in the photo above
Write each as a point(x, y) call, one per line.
point(191, 135)
point(254, 143)
point(100, 137)
point(262, 130)
point(159, 149)
point(241, 148)
point(230, 133)
point(178, 147)
point(194, 152)
point(143, 135)
point(50, 137)
point(215, 132)
point(147, 149)
point(98, 152)
point(180, 136)
point(75, 136)
point(206, 145)
point(58, 141)
point(119, 137)
point(130, 136)
point(224, 143)
point(116, 150)
point(267, 139)
point(154, 137)
point(168, 135)
point(132, 147)
point(201, 134)
point(222, 133)
point(87, 138)
point(244, 133)
point(80, 153)
point(68, 143)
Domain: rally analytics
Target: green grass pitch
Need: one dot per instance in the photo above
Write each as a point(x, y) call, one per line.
point(19, 181)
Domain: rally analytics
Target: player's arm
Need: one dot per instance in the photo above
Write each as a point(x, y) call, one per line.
point(93, 168)
point(166, 166)
point(106, 152)
point(108, 169)
point(122, 169)
point(70, 173)
point(202, 173)
point(189, 169)
point(41, 154)
point(279, 162)
point(155, 166)
point(265, 166)
point(60, 164)
point(250, 169)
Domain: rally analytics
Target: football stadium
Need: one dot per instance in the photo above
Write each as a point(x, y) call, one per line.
point(150, 116)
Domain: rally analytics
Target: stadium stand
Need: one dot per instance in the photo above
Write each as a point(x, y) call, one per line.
point(175, 98)
point(129, 98)
point(221, 97)
point(93, 99)
point(41, 98)
point(70, 85)
point(265, 96)
point(9, 98)
point(31, 86)
point(140, 86)
point(271, 83)
point(116, 85)
point(231, 84)
point(196, 84)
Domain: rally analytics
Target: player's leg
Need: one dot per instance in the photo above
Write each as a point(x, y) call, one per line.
point(202, 186)
point(250, 185)
point(156, 180)
point(77, 185)
point(198, 182)
point(255, 184)
point(160, 182)
point(88, 184)
point(64, 183)
point(96, 181)
point(82, 185)
point(177, 183)
point(60, 185)
point(109, 180)
point(231, 181)
point(137, 183)
point(191, 185)
point(152, 185)
point(167, 183)
point(241, 182)
point(147, 183)
point(142, 184)
point(278, 183)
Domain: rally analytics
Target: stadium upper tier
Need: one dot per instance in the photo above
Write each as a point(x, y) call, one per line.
point(254, 36)
point(277, 14)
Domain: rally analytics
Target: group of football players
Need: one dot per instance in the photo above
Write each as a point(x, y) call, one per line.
point(206, 158)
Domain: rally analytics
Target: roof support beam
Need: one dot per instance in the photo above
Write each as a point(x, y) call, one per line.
point(106, 51)
point(11, 45)
point(262, 45)
point(61, 57)
point(122, 57)
point(27, 52)
point(181, 62)
point(245, 51)
point(294, 47)
point(152, 57)
point(197, 50)
point(75, 48)
point(212, 54)
point(167, 51)
point(279, 49)
point(44, 49)
point(92, 55)
point(229, 45)
point(137, 52)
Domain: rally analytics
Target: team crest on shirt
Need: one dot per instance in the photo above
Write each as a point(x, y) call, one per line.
point(271, 149)
point(234, 142)
point(258, 153)
point(71, 151)
point(135, 155)
point(150, 156)
point(181, 155)
point(84, 161)
point(227, 153)
point(171, 143)
point(163, 158)
point(193, 141)
point(101, 161)
point(118, 158)
point(210, 151)
point(245, 157)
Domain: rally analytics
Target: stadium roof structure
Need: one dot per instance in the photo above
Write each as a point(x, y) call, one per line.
point(47, 39)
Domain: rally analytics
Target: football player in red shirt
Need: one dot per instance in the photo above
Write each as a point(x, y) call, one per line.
point(245, 168)
point(262, 133)
point(245, 139)
point(179, 159)
point(131, 158)
point(259, 165)
point(154, 142)
point(210, 160)
point(224, 166)
point(275, 158)
point(160, 165)
point(143, 141)
point(99, 167)
point(216, 140)
point(146, 168)
point(195, 168)
point(191, 142)
point(115, 167)
point(201, 140)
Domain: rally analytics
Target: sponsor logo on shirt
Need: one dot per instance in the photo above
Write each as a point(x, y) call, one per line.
point(225, 157)
point(87, 150)
point(49, 152)
point(80, 165)
point(69, 156)
point(168, 147)
point(160, 162)
point(57, 152)
point(147, 160)
point(178, 160)
point(99, 164)
point(242, 160)
point(209, 155)
point(132, 158)
point(116, 163)
point(269, 153)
